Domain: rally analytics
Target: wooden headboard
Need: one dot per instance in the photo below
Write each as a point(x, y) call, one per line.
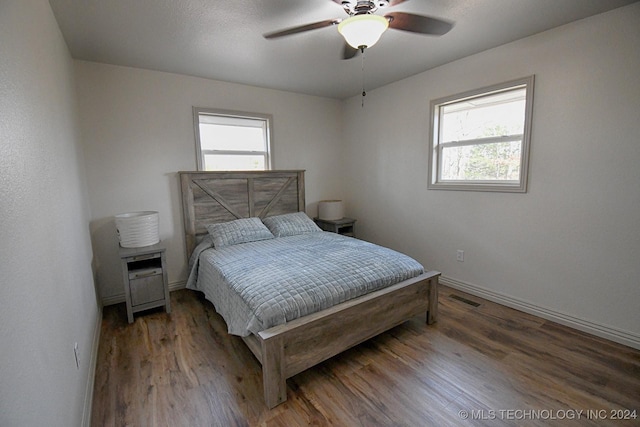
point(212, 197)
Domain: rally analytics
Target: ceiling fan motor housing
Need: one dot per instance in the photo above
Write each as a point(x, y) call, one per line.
point(361, 7)
point(364, 27)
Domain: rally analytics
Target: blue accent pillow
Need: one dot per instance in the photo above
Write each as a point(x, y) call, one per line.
point(242, 230)
point(290, 224)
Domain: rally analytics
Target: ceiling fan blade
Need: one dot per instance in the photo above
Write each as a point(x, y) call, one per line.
point(302, 28)
point(395, 2)
point(349, 51)
point(418, 24)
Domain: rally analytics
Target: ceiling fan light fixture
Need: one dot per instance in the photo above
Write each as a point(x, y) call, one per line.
point(363, 30)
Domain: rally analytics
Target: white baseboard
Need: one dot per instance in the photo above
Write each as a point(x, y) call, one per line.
point(91, 377)
point(119, 298)
point(177, 285)
point(113, 299)
point(623, 337)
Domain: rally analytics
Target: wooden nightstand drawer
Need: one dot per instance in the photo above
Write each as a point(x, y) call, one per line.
point(146, 288)
point(141, 274)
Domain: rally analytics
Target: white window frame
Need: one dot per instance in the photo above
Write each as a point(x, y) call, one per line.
point(435, 147)
point(200, 153)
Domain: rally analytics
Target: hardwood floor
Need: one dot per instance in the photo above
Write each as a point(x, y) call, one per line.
point(501, 366)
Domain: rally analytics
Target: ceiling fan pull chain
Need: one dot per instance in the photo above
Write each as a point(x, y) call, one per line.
point(364, 93)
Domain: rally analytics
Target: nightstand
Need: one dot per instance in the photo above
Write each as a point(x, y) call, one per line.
point(145, 279)
point(344, 226)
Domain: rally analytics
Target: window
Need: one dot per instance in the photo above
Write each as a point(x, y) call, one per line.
point(479, 140)
point(230, 140)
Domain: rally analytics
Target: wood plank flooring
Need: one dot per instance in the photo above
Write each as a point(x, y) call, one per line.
point(501, 366)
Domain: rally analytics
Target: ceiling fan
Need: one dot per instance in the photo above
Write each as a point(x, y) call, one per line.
point(363, 28)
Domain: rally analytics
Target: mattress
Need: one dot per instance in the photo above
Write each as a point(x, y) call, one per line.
point(261, 284)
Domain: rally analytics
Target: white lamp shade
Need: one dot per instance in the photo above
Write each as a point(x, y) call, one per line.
point(330, 209)
point(363, 30)
point(137, 229)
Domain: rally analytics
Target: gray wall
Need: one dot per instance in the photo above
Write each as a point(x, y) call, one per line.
point(47, 296)
point(568, 249)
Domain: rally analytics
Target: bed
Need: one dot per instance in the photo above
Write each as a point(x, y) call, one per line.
point(289, 347)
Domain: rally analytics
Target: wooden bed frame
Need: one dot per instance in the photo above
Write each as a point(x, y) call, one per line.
point(286, 350)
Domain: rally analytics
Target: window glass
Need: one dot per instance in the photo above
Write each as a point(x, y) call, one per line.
point(488, 162)
point(494, 115)
point(232, 140)
point(480, 139)
point(231, 162)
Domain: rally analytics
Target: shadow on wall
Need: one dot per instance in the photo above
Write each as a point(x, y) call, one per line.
point(311, 209)
point(106, 260)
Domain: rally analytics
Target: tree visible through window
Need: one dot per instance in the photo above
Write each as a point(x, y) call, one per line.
point(480, 139)
point(228, 140)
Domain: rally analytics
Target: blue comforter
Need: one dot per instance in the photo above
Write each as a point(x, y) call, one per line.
point(257, 285)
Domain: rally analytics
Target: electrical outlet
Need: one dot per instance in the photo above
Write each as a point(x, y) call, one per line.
point(76, 353)
point(460, 255)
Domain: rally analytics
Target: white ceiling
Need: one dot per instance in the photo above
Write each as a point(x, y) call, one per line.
point(222, 39)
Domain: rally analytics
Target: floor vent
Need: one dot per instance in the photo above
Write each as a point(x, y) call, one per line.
point(464, 300)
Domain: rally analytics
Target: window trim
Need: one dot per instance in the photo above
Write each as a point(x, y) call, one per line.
point(268, 118)
point(435, 133)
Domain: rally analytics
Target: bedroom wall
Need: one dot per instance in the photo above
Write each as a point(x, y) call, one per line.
point(137, 128)
point(568, 249)
point(46, 286)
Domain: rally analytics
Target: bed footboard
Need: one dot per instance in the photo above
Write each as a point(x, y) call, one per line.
point(287, 350)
